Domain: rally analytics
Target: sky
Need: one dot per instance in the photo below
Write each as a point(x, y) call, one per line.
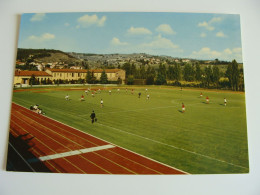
point(184, 35)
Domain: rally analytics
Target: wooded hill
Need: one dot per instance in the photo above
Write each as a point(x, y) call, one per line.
point(45, 56)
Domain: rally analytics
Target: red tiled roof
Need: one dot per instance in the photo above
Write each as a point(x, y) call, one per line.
point(30, 73)
point(68, 70)
point(106, 70)
point(84, 70)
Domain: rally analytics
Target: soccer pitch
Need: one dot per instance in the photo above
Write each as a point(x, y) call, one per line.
point(207, 138)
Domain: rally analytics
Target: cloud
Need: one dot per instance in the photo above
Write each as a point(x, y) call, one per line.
point(138, 31)
point(227, 54)
point(203, 35)
point(66, 24)
point(37, 17)
point(209, 25)
point(221, 34)
point(87, 20)
point(42, 38)
point(161, 43)
point(166, 29)
point(116, 42)
point(228, 51)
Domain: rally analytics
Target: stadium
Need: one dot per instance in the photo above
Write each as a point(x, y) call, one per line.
point(132, 134)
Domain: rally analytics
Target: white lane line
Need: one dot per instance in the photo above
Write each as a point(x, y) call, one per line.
point(75, 152)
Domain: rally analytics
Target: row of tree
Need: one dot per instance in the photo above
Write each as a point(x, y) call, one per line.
point(203, 77)
point(209, 77)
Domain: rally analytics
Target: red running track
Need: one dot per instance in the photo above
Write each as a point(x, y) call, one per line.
point(52, 138)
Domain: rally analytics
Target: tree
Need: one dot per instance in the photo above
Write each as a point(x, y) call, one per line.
point(170, 73)
point(142, 72)
point(93, 78)
point(127, 68)
point(103, 78)
point(150, 79)
point(216, 76)
point(188, 73)
point(150, 75)
point(177, 72)
point(161, 76)
point(130, 80)
point(33, 80)
point(88, 77)
point(208, 75)
point(241, 80)
point(233, 75)
point(85, 64)
point(198, 73)
point(132, 70)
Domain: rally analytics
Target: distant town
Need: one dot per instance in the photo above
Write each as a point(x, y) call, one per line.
point(39, 59)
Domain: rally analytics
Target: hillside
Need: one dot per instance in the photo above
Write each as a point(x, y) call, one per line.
point(45, 56)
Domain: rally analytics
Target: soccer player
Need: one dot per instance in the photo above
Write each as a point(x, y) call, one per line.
point(225, 101)
point(207, 99)
point(109, 92)
point(35, 107)
point(132, 91)
point(201, 94)
point(93, 117)
point(82, 98)
point(139, 94)
point(101, 103)
point(183, 108)
point(92, 94)
point(118, 90)
point(86, 92)
point(126, 90)
point(148, 97)
point(67, 97)
point(146, 90)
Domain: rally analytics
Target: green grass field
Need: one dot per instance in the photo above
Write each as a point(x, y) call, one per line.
point(207, 138)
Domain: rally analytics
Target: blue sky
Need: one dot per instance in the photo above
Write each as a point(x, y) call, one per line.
point(185, 35)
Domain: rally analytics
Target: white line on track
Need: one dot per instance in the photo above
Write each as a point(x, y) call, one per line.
point(75, 152)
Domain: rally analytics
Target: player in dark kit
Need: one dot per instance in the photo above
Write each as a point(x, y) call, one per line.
point(139, 94)
point(93, 117)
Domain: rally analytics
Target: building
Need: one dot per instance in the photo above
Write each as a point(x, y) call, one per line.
point(112, 74)
point(22, 77)
point(67, 74)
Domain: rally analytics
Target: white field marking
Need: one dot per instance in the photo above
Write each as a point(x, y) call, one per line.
point(175, 147)
point(113, 144)
point(75, 152)
point(22, 157)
